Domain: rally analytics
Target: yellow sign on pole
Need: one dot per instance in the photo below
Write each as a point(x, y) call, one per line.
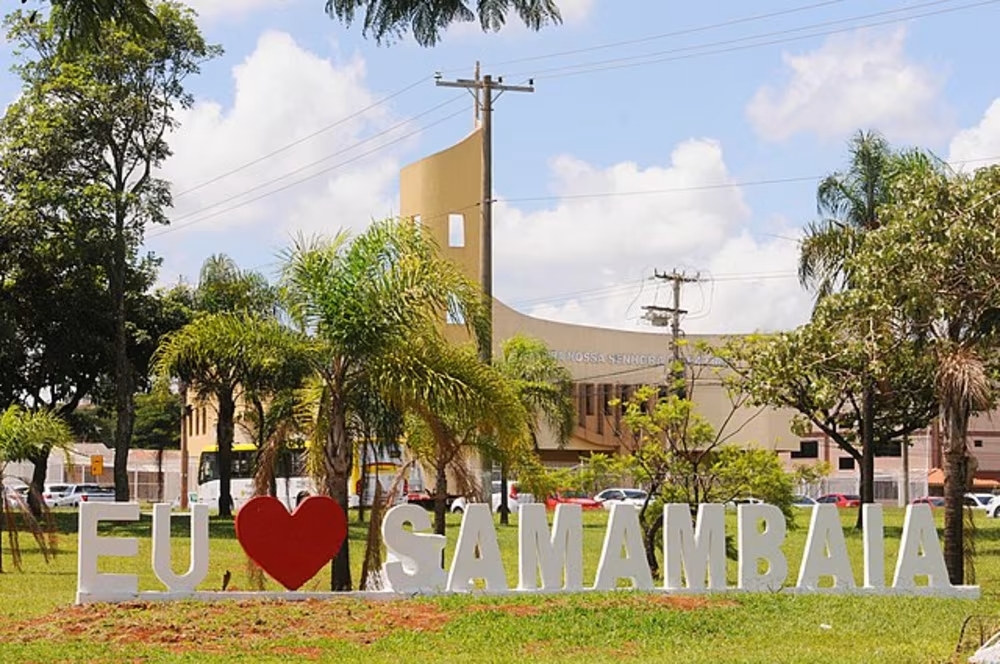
point(96, 465)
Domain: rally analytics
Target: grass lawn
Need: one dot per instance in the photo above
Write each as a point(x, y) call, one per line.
point(39, 623)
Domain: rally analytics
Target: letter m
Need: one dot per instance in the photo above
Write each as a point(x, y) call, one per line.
point(698, 551)
point(540, 554)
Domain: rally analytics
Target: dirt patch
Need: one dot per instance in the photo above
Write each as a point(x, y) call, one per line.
point(226, 626)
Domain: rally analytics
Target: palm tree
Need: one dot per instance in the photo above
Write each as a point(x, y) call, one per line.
point(387, 19)
point(485, 417)
point(377, 304)
point(848, 203)
point(225, 356)
point(22, 434)
point(544, 387)
point(383, 19)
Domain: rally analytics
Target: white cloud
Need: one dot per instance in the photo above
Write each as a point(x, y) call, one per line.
point(858, 80)
point(980, 145)
point(282, 93)
point(593, 256)
point(213, 10)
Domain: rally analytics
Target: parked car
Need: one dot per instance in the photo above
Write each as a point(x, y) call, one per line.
point(572, 498)
point(840, 499)
point(933, 501)
point(52, 493)
point(803, 501)
point(749, 500)
point(86, 493)
point(515, 497)
point(993, 508)
point(979, 501)
point(15, 496)
point(610, 497)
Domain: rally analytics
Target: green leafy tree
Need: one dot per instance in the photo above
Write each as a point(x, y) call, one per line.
point(90, 128)
point(934, 269)
point(22, 434)
point(678, 457)
point(221, 356)
point(821, 370)
point(376, 305)
point(545, 389)
point(850, 203)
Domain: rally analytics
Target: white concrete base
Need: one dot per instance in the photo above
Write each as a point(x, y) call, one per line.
point(956, 592)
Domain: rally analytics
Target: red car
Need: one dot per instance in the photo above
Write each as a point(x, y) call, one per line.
point(933, 501)
point(840, 499)
point(572, 498)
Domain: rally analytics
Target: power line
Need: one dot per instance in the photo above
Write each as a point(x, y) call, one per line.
point(321, 160)
point(667, 35)
point(171, 229)
point(653, 57)
point(303, 139)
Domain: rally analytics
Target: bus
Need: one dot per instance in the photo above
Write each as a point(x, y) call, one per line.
point(292, 479)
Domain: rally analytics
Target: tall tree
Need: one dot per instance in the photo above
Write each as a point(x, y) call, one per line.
point(93, 124)
point(376, 304)
point(220, 356)
point(545, 389)
point(849, 203)
point(934, 268)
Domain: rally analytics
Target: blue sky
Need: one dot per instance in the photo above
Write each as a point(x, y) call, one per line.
point(730, 107)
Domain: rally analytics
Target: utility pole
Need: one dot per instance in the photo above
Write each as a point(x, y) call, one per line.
point(660, 315)
point(482, 89)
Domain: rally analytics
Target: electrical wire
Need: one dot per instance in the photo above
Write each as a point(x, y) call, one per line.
point(684, 53)
point(665, 35)
point(305, 138)
point(174, 228)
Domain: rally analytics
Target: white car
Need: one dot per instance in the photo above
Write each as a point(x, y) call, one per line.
point(979, 501)
point(86, 493)
point(53, 493)
point(993, 507)
point(610, 497)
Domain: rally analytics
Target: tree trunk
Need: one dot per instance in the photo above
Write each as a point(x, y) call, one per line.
point(224, 429)
point(159, 474)
point(39, 470)
point(338, 456)
point(363, 480)
point(650, 542)
point(867, 489)
point(954, 428)
point(440, 494)
point(504, 506)
point(124, 411)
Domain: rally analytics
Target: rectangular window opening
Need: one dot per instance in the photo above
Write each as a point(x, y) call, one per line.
point(808, 449)
point(456, 230)
point(846, 463)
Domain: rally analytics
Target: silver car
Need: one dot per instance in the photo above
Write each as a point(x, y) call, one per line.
point(86, 493)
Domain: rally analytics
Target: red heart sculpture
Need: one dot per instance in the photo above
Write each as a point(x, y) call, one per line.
point(291, 548)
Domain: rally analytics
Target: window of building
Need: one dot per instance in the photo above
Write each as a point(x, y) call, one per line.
point(893, 449)
point(977, 443)
point(606, 396)
point(589, 395)
point(846, 463)
point(808, 449)
point(456, 230)
point(204, 419)
point(581, 406)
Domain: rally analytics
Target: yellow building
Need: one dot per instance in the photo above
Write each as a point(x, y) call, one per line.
point(443, 192)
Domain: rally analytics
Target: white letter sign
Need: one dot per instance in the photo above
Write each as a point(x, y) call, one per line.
point(756, 545)
point(549, 557)
point(624, 532)
point(696, 551)
point(91, 547)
